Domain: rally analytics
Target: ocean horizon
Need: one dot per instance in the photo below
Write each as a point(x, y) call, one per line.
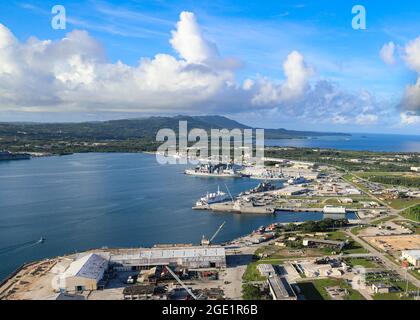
point(354, 142)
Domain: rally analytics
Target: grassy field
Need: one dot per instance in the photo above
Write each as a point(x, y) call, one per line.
point(356, 230)
point(403, 203)
point(382, 220)
point(279, 253)
point(315, 290)
point(415, 273)
point(337, 235)
point(361, 262)
point(352, 247)
point(412, 213)
point(252, 273)
point(407, 179)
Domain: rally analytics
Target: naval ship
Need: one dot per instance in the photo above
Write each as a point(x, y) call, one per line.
point(215, 197)
point(209, 170)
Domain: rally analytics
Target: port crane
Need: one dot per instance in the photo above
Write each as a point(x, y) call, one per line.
point(206, 242)
point(173, 274)
point(228, 191)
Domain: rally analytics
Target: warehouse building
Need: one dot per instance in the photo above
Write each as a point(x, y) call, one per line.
point(412, 256)
point(266, 270)
point(189, 257)
point(82, 274)
point(292, 191)
point(280, 289)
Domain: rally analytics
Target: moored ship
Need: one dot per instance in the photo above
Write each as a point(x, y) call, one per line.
point(215, 197)
point(209, 170)
point(262, 187)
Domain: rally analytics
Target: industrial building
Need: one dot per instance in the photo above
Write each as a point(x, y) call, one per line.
point(334, 210)
point(292, 191)
point(381, 288)
point(266, 270)
point(280, 289)
point(189, 257)
point(412, 256)
point(82, 274)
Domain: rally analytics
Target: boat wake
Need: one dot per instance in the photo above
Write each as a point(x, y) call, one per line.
point(21, 246)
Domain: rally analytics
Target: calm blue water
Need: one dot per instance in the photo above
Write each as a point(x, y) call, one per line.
point(361, 142)
point(88, 201)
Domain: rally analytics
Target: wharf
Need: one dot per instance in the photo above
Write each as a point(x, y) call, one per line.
point(249, 209)
point(230, 207)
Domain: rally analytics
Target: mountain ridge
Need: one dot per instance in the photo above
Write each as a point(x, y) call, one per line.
point(140, 128)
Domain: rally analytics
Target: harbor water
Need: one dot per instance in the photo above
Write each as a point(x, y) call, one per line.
point(85, 201)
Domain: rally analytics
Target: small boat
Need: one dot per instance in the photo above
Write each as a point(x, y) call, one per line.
point(41, 240)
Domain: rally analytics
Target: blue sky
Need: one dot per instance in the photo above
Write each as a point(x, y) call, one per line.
point(254, 42)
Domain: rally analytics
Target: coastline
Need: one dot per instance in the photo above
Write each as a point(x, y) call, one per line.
point(231, 242)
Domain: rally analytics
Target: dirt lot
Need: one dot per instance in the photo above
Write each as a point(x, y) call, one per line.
point(386, 229)
point(395, 243)
point(32, 282)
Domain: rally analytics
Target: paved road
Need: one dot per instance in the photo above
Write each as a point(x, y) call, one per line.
point(388, 264)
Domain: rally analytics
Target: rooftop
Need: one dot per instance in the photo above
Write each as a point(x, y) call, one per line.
point(413, 253)
point(172, 253)
point(281, 287)
point(90, 266)
point(265, 268)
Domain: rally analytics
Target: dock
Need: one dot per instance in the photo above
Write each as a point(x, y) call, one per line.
point(234, 208)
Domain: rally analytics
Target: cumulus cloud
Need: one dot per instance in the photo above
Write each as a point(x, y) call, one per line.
point(297, 76)
point(189, 42)
point(387, 53)
point(412, 54)
point(411, 98)
point(73, 75)
point(409, 118)
point(327, 102)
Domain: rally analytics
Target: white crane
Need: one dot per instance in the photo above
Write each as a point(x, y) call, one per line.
point(206, 242)
point(229, 192)
point(182, 283)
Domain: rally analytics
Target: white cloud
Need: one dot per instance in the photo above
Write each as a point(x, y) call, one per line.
point(366, 119)
point(411, 99)
point(408, 118)
point(387, 53)
point(189, 42)
point(73, 75)
point(412, 54)
point(297, 76)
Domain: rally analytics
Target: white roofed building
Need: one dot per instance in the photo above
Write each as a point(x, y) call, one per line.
point(412, 256)
point(82, 275)
point(266, 270)
point(186, 257)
